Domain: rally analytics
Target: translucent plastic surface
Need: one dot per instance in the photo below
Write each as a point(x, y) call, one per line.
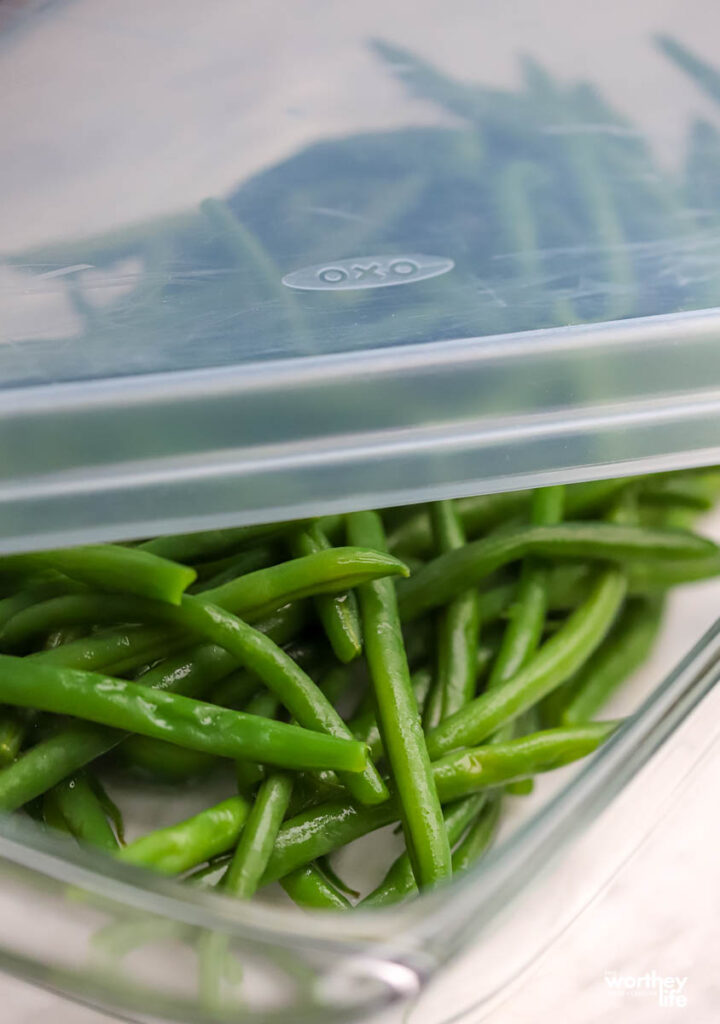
point(261, 259)
point(123, 940)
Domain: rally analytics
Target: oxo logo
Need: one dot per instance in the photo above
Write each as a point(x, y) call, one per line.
point(368, 272)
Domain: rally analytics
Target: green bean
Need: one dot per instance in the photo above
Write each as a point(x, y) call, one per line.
point(209, 544)
point(269, 589)
point(568, 585)
point(163, 761)
point(484, 512)
point(214, 574)
point(496, 601)
point(320, 830)
point(626, 648)
point(235, 689)
point(60, 637)
point(458, 629)
point(697, 491)
point(76, 802)
point(644, 577)
point(399, 880)
point(303, 699)
point(178, 848)
point(325, 867)
point(364, 726)
point(116, 651)
point(557, 659)
point(308, 887)
point(449, 574)
point(253, 596)
point(50, 761)
point(193, 672)
point(249, 774)
point(13, 726)
point(338, 613)
point(183, 720)
point(10, 606)
point(495, 764)
point(528, 722)
point(364, 722)
point(50, 815)
point(527, 615)
point(111, 809)
point(666, 514)
point(294, 688)
point(258, 836)
point(398, 716)
point(335, 684)
point(109, 567)
point(329, 571)
point(594, 496)
point(478, 514)
point(479, 836)
point(77, 744)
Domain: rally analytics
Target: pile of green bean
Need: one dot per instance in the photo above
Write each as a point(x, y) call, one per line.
point(418, 666)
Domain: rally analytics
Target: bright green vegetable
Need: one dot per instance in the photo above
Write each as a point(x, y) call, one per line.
point(527, 615)
point(13, 727)
point(486, 511)
point(308, 887)
point(75, 801)
point(320, 830)
point(338, 613)
point(254, 596)
point(364, 725)
point(77, 744)
point(187, 722)
point(328, 571)
point(253, 649)
point(81, 627)
point(399, 881)
point(625, 649)
point(449, 574)
point(177, 848)
point(555, 662)
point(50, 761)
point(479, 836)
point(109, 567)
point(399, 718)
point(164, 762)
point(222, 570)
point(258, 836)
point(458, 629)
point(208, 544)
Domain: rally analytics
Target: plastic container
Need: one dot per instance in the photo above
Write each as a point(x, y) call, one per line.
point(498, 259)
point(268, 260)
point(129, 943)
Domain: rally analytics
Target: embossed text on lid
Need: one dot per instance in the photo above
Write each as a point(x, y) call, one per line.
point(368, 272)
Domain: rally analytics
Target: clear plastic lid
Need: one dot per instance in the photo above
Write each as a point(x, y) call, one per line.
point(263, 259)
